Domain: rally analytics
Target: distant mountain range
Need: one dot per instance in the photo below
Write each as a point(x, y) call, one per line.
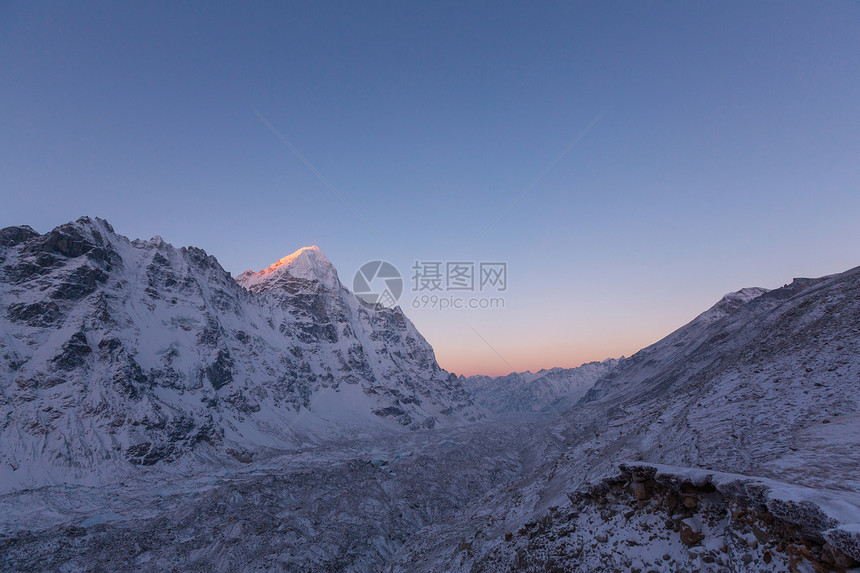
point(546, 390)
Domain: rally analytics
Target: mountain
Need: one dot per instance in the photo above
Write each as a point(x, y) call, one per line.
point(156, 414)
point(549, 389)
point(761, 391)
point(117, 353)
point(761, 384)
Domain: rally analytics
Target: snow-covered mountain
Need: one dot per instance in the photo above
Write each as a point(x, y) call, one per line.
point(548, 389)
point(279, 402)
point(764, 386)
point(116, 352)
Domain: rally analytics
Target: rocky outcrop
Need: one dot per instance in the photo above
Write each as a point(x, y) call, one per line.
point(654, 517)
point(800, 522)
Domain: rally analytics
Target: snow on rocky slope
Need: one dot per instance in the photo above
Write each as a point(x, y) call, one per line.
point(656, 518)
point(118, 353)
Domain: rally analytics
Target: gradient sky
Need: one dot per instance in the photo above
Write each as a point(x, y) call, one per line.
point(639, 159)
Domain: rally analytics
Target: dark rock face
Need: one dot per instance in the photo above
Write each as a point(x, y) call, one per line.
point(42, 313)
point(146, 454)
point(81, 282)
point(13, 236)
point(220, 373)
point(71, 241)
point(73, 353)
point(397, 413)
point(67, 264)
point(128, 377)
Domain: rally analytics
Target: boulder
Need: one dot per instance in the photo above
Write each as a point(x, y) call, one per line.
point(691, 531)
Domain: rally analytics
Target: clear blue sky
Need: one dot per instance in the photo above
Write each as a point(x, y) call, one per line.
point(724, 148)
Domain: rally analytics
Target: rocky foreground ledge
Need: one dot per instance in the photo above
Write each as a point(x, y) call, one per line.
point(658, 518)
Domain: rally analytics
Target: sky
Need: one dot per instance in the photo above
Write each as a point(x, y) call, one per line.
point(629, 162)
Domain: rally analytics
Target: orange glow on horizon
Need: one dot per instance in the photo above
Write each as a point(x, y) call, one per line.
point(519, 358)
point(495, 366)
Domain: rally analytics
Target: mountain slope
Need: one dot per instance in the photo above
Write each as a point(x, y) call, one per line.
point(771, 382)
point(116, 353)
point(763, 385)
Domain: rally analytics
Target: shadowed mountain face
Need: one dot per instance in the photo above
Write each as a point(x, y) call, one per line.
point(118, 352)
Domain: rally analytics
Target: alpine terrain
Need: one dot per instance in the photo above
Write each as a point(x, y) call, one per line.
point(158, 414)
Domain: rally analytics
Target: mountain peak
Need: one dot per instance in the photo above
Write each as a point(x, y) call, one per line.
point(306, 263)
point(311, 251)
